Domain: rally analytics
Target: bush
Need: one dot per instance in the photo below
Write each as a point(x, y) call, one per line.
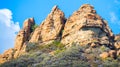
point(74, 56)
point(54, 46)
point(110, 62)
point(34, 27)
point(31, 46)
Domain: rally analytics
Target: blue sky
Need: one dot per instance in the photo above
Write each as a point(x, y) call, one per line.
point(14, 12)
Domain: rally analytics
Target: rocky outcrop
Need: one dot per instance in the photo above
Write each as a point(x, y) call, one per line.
point(23, 36)
point(85, 26)
point(117, 44)
point(117, 41)
point(20, 42)
point(51, 27)
point(104, 55)
point(7, 55)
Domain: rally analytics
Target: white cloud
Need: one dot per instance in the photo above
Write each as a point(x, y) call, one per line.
point(8, 29)
point(114, 18)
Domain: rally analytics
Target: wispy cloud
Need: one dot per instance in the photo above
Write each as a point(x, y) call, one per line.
point(114, 18)
point(8, 29)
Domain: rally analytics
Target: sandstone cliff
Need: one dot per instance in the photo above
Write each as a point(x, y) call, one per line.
point(84, 28)
point(51, 27)
point(20, 42)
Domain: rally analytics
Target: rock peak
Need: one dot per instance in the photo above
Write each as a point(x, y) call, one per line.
point(85, 22)
point(87, 8)
point(86, 5)
point(51, 27)
point(28, 22)
point(83, 27)
point(55, 7)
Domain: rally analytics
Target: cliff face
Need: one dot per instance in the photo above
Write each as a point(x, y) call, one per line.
point(23, 36)
point(83, 27)
point(51, 27)
point(20, 42)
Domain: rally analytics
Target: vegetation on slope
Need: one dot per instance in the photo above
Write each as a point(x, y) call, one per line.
point(56, 55)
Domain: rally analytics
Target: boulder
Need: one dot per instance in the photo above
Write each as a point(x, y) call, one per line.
point(104, 55)
point(117, 45)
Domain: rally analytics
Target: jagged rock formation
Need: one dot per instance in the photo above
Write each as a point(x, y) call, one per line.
point(23, 36)
point(85, 26)
point(117, 44)
point(20, 42)
point(117, 41)
point(51, 27)
point(7, 55)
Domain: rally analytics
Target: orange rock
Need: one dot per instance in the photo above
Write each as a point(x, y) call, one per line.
point(23, 36)
point(117, 45)
point(93, 45)
point(51, 27)
point(85, 25)
point(52, 53)
point(118, 53)
point(7, 55)
point(104, 55)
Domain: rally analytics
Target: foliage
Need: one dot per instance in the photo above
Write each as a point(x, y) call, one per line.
point(75, 56)
point(54, 46)
point(34, 27)
point(110, 62)
point(31, 46)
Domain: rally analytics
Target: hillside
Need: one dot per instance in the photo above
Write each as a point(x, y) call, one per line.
point(82, 40)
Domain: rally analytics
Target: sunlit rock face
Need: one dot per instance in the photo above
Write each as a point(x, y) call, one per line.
point(20, 41)
point(23, 36)
point(85, 26)
point(51, 27)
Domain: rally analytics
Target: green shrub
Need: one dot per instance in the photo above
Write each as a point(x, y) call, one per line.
point(74, 56)
point(54, 46)
point(34, 27)
point(31, 46)
point(110, 62)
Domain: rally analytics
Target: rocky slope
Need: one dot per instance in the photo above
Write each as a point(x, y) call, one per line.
point(82, 38)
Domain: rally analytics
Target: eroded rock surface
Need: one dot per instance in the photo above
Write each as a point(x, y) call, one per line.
point(20, 41)
point(85, 26)
point(51, 27)
point(7, 55)
point(23, 36)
